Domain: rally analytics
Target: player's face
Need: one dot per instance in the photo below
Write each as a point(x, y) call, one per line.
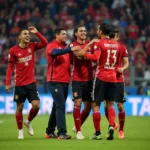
point(63, 36)
point(24, 36)
point(81, 33)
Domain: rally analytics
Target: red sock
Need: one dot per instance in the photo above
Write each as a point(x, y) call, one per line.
point(77, 118)
point(19, 120)
point(96, 120)
point(121, 117)
point(106, 113)
point(84, 116)
point(111, 116)
point(32, 114)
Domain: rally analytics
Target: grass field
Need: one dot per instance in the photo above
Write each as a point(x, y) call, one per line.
point(137, 135)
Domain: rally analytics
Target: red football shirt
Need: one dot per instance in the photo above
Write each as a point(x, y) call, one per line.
point(107, 62)
point(81, 68)
point(122, 53)
point(58, 66)
point(22, 60)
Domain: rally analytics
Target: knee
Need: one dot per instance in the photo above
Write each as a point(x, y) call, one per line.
point(77, 103)
point(36, 106)
point(110, 104)
point(20, 108)
point(120, 107)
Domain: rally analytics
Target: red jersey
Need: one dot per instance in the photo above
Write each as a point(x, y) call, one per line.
point(22, 60)
point(122, 53)
point(107, 62)
point(82, 68)
point(58, 66)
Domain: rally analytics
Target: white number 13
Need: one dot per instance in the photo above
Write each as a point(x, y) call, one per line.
point(107, 64)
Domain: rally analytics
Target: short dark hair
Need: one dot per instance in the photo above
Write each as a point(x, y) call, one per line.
point(58, 30)
point(105, 28)
point(76, 29)
point(22, 29)
point(114, 30)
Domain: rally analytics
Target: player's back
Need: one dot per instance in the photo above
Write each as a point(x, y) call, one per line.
point(107, 62)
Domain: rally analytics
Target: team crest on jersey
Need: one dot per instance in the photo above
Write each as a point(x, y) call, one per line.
point(9, 56)
point(29, 50)
point(71, 45)
point(95, 47)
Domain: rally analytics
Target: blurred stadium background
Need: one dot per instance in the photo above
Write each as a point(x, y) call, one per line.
point(133, 17)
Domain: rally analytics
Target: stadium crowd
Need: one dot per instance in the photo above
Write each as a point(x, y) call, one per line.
point(131, 15)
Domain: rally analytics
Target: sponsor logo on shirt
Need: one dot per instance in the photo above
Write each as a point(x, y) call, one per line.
point(25, 59)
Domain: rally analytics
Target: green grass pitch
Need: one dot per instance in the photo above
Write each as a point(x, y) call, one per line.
point(137, 135)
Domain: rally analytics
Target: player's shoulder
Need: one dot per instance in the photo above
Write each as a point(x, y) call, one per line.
point(13, 48)
point(73, 43)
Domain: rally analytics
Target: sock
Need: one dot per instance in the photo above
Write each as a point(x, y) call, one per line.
point(84, 116)
point(106, 113)
point(111, 116)
point(121, 117)
point(32, 114)
point(96, 121)
point(77, 118)
point(19, 120)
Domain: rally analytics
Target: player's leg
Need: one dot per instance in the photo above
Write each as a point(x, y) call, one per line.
point(77, 89)
point(98, 96)
point(121, 117)
point(87, 99)
point(19, 98)
point(120, 105)
point(57, 90)
point(19, 119)
point(50, 130)
point(110, 96)
point(33, 98)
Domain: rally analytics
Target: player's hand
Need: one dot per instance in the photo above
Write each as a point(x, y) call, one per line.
point(120, 70)
point(75, 48)
point(93, 41)
point(7, 88)
point(32, 29)
point(79, 53)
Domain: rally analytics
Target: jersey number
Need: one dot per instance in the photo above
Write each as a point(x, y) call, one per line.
point(109, 64)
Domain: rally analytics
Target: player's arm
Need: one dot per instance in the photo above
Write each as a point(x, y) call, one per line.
point(86, 48)
point(43, 41)
point(9, 72)
point(125, 65)
point(58, 52)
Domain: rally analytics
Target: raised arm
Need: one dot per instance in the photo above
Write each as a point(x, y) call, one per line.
point(43, 42)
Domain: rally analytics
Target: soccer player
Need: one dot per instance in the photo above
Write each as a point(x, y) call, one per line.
point(21, 58)
point(58, 77)
point(105, 84)
point(82, 77)
point(122, 65)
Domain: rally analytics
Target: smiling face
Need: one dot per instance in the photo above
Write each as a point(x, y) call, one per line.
point(24, 36)
point(62, 36)
point(81, 33)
